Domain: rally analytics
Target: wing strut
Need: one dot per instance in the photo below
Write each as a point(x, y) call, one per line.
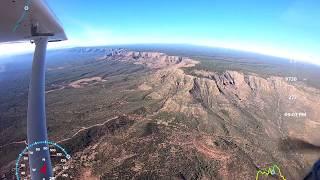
point(36, 119)
point(38, 24)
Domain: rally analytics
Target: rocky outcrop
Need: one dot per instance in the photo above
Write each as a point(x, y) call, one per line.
point(175, 123)
point(246, 106)
point(237, 122)
point(151, 59)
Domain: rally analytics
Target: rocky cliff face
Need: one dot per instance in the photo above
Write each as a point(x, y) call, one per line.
point(150, 59)
point(165, 121)
point(260, 118)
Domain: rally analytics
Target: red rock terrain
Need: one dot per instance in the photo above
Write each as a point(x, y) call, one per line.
point(209, 125)
point(165, 121)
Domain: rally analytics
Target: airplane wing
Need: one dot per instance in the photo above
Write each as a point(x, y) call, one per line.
point(21, 20)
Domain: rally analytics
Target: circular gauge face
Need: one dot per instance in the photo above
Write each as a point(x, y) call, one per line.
point(59, 161)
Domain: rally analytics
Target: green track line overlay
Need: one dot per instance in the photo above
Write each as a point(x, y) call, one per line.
point(271, 171)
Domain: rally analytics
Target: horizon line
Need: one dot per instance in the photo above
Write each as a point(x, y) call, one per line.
point(204, 45)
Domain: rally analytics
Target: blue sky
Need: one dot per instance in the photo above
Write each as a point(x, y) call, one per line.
point(288, 28)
